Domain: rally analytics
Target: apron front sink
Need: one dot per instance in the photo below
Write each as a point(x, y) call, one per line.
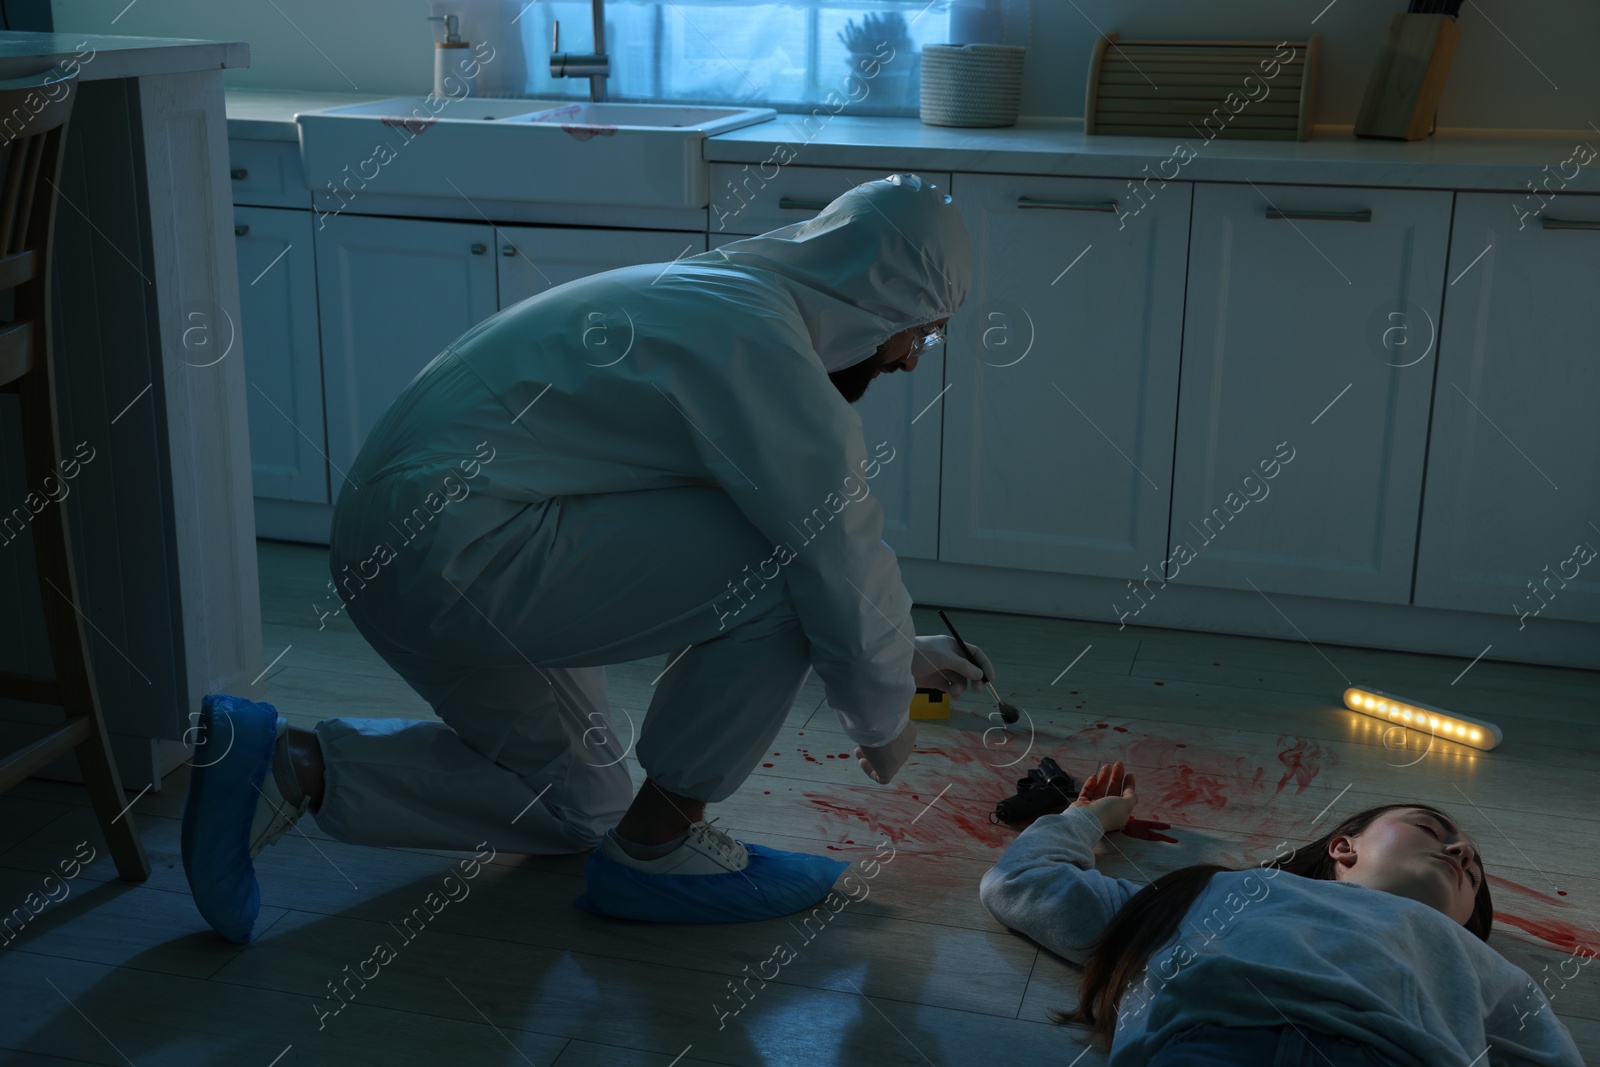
point(536, 151)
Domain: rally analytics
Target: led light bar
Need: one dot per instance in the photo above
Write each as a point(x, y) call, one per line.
point(1449, 725)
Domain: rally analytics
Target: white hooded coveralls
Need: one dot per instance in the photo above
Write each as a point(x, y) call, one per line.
point(647, 461)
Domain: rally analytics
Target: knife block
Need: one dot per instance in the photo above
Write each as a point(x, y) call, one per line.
point(1408, 77)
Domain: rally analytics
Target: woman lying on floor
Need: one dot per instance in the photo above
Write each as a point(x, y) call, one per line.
point(1365, 947)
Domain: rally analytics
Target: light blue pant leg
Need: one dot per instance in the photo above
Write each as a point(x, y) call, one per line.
point(502, 617)
point(517, 763)
point(716, 711)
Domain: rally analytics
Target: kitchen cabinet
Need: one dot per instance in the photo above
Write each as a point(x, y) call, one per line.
point(392, 293)
point(267, 174)
point(1062, 371)
point(750, 200)
point(1227, 386)
point(1512, 492)
point(534, 259)
point(753, 199)
point(901, 409)
point(282, 353)
point(1309, 351)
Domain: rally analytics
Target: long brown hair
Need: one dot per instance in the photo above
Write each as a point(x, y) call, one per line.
point(1150, 918)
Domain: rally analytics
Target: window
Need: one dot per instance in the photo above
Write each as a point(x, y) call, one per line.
point(788, 55)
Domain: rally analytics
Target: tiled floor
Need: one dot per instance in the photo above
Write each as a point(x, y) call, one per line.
point(1238, 743)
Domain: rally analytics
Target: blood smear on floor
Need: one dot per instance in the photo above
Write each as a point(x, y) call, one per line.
point(1226, 792)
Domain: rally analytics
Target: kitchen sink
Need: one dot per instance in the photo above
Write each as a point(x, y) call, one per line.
point(540, 151)
point(651, 116)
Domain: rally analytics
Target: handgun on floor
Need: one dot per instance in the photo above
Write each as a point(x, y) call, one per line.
point(1046, 790)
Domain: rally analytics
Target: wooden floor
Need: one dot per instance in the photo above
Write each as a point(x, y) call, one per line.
point(1238, 743)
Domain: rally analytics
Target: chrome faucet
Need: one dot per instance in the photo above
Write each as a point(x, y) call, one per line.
point(596, 65)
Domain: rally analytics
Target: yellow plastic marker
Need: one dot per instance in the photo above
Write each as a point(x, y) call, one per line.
point(930, 704)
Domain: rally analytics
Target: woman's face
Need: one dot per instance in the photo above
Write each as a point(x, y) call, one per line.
point(1413, 853)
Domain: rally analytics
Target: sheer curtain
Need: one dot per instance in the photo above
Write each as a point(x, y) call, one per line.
point(789, 55)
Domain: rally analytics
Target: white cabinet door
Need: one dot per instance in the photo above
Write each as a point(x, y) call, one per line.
point(753, 199)
point(282, 353)
point(899, 409)
point(394, 293)
point(1063, 376)
point(900, 425)
point(536, 258)
point(1511, 512)
point(267, 174)
point(1308, 356)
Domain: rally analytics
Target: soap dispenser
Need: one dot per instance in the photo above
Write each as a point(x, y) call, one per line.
point(449, 60)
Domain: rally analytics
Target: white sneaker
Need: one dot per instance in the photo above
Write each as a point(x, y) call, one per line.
point(274, 814)
point(707, 850)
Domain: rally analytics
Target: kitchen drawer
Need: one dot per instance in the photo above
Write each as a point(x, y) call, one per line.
point(750, 198)
point(267, 174)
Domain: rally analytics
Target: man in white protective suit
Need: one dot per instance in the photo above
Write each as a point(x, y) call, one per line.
point(656, 460)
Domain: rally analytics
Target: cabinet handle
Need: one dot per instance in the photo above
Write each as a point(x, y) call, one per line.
point(1067, 205)
point(1364, 215)
point(239, 173)
point(508, 250)
point(479, 248)
point(241, 229)
point(1569, 224)
point(789, 203)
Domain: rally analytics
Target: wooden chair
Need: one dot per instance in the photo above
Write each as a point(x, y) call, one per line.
point(33, 127)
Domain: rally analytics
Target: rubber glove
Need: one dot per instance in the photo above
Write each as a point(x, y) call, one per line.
point(882, 763)
point(938, 663)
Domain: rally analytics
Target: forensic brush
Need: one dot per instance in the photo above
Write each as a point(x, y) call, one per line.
point(1007, 711)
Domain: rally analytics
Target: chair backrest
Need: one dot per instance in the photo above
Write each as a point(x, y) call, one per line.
point(33, 122)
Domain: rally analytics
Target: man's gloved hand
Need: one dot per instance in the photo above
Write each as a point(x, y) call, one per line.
point(881, 764)
point(939, 664)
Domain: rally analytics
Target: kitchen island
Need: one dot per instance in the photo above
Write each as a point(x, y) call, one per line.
point(151, 387)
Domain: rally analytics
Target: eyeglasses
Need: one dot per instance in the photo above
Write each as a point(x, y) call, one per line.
point(933, 338)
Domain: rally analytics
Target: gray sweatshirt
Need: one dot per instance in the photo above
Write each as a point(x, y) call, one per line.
point(1263, 945)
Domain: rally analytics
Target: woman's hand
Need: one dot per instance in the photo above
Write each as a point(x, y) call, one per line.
point(1108, 793)
point(938, 663)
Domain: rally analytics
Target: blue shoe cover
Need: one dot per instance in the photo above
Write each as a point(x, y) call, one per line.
point(773, 884)
point(231, 760)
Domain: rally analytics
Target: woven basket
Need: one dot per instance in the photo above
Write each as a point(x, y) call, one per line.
point(971, 84)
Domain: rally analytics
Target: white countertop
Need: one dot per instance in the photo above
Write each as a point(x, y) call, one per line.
point(101, 57)
point(1451, 159)
point(268, 114)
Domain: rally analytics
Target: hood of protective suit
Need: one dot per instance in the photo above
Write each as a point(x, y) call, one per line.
point(885, 256)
